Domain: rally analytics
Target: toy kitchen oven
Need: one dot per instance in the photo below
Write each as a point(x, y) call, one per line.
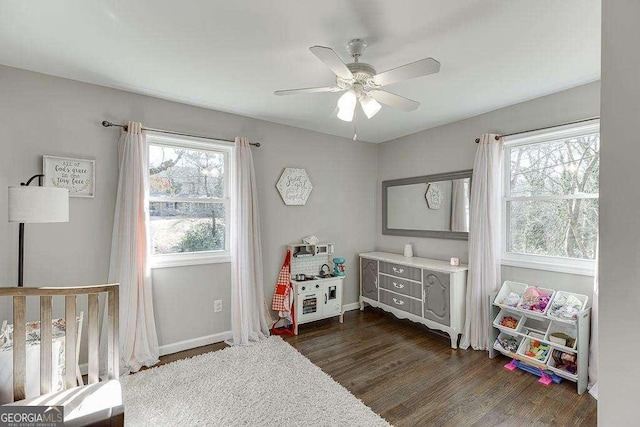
point(317, 292)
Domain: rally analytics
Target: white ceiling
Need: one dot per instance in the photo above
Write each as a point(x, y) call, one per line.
point(232, 55)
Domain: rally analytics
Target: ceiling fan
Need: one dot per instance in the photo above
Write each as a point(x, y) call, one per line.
point(362, 83)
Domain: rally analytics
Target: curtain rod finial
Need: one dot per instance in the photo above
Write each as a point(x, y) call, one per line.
point(106, 123)
point(497, 138)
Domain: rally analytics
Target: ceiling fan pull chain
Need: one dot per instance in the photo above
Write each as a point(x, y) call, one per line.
point(355, 119)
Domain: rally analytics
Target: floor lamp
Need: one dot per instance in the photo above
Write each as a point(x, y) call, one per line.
point(36, 205)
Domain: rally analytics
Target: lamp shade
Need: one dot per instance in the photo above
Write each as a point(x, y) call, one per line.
point(38, 204)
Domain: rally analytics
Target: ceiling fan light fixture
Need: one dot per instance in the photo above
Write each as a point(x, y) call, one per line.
point(363, 83)
point(347, 106)
point(370, 106)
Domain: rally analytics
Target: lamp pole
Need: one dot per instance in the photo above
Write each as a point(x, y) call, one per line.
point(21, 236)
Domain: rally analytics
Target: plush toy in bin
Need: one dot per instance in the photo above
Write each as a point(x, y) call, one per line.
point(565, 361)
point(535, 299)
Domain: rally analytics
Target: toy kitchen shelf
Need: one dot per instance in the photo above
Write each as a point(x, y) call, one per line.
point(299, 250)
point(539, 326)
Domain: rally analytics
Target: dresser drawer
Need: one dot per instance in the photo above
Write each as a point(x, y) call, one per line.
point(401, 302)
point(401, 286)
point(411, 273)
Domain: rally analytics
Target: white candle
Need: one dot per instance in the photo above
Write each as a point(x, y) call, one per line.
point(408, 250)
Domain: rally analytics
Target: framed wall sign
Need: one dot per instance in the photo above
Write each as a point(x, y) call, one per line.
point(433, 195)
point(76, 175)
point(294, 186)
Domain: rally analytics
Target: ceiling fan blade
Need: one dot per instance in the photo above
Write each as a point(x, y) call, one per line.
point(308, 90)
point(415, 69)
point(393, 100)
point(332, 60)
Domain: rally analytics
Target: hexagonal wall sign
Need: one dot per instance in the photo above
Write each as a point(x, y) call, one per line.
point(294, 186)
point(433, 196)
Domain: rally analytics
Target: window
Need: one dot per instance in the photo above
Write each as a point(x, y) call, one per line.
point(188, 200)
point(550, 203)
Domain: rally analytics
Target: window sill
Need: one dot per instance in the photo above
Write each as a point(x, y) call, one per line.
point(558, 265)
point(182, 260)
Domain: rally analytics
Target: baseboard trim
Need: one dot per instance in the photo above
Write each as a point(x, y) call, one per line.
point(352, 306)
point(193, 343)
point(206, 340)
point(180, 346)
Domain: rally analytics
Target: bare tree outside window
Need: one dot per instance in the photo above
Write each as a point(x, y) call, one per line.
point(187, 199)
point(552, 197)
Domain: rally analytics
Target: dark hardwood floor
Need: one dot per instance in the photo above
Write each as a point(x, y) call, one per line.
point(412, 377)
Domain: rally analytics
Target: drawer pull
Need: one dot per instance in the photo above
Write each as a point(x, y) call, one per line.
point(398, 285)
point(398, 301)
point(398, 270)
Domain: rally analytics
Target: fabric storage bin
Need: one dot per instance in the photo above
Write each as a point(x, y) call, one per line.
point(524, 303)
point(525, 347)
point(508, 288)
point(562, 300)
point(503, 336)
point(561, 328)
point(554, 367)
point(497, 322)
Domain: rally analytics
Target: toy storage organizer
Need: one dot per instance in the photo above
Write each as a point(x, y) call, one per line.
point(542, 328)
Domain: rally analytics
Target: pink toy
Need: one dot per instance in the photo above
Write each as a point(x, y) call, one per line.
point(511, 365)
point(544, 378)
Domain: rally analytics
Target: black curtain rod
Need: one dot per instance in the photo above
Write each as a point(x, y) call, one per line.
point(544, 128)
point(109, 124)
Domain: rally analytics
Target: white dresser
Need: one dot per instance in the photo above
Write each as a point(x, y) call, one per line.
point(427, 291)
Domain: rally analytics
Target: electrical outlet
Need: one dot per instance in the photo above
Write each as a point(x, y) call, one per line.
point(217, 306)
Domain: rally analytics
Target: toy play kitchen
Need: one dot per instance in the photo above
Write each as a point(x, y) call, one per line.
point(317, 287)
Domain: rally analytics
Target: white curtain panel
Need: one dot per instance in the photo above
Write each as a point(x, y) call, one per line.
point(248, 313)
point(593, 345)
point(130, 254)
point(484, 241)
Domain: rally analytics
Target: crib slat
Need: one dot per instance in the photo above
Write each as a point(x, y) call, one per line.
point(94, 344)
point(45, 345)
point(19, 348)
point(70, 341)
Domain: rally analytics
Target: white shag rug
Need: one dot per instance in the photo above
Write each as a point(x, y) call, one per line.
point(266, 384)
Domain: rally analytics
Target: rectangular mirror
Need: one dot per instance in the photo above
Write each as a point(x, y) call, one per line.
point(427, 206)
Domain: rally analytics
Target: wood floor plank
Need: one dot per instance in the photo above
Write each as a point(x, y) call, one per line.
point(411, 376)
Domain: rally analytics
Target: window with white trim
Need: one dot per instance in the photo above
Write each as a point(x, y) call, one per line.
point(188, 200)
point(550, 203)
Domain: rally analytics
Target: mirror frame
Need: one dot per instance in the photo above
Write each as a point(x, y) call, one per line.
point(436, 234)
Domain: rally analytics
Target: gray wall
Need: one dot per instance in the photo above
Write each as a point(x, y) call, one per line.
point(451, 148)
point(48, 115)
point(619, 374)
point(41, 114)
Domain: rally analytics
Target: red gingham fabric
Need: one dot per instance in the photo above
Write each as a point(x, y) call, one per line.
point(281, 300)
